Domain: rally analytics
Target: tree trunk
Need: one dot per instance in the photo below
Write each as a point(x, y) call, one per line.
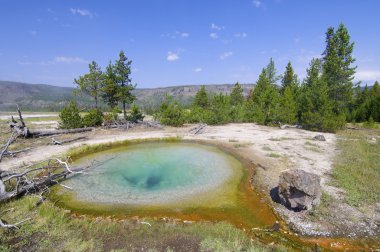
point(96, 102)
point(124, 111)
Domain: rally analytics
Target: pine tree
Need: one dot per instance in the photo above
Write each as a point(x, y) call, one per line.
point(271, 72)
point(265, 102)
point(92, 82)
point(110, 92)
point(201, 98)
point(289, 79)
point(122, 72)
point(237, 97)
point(316, 112)
point(338, 71)
point(288, 107)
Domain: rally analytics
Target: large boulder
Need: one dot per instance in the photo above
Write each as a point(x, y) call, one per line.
point(299, 190)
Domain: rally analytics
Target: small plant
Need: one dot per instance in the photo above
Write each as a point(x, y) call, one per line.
point(135, 114)
point(93, 118)
point(267, 148)
point(70, 117)
point(274, 155)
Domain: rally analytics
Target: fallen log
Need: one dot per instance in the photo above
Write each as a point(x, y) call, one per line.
point(41, 133)
point(287, 126)
point(198, 129)
point(56, 142)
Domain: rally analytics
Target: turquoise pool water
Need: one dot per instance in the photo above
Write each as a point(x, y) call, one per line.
point(152, 173)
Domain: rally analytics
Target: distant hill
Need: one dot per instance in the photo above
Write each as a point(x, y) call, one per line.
point(42, 97)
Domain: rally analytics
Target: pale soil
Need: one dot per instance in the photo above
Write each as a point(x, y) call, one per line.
point(271, 149)
point(7, 115)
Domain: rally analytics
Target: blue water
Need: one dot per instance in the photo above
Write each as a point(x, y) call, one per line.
point(152, 173)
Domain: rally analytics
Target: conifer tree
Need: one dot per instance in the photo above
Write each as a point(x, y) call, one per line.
point(338, 71)
point(265, 101)
point(317, 113)
point(110, 90)
point(237, 96)
point(92, 82)
point(271, 72)
point(125, 87)
point(201, 98)
point(289, 79)
point(288, 107)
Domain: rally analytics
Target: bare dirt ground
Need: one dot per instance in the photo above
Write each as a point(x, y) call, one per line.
point(271, 149)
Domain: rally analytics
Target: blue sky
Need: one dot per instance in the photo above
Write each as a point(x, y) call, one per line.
point(177, 42)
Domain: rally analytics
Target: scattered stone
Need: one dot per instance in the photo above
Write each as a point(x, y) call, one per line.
point(319, 138)
point(299, 190)
point(276, 227)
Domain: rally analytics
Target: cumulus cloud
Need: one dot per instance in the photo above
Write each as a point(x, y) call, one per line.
point(172, 56)
point(367, 75)
point(256, 3)
point(216, 27)
point(225, 55)
point(241, 35)
point(82, 12)
point(214, 35)
point(197, 70)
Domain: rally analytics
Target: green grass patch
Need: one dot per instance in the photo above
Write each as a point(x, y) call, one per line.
point(356, 168)
point(267, 148)
point(54, 229)
point(274, 155)
point(281, 138)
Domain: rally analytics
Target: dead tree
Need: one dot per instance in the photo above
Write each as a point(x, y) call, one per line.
point(34, 178)
point(19, 128)
point(198, 129)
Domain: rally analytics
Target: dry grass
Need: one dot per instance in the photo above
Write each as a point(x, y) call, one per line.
point(356, 168)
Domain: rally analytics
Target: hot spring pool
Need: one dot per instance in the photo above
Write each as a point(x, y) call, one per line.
point(155, 174)
point(185, 180)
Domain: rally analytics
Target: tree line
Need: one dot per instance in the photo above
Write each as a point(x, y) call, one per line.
point(325, 100)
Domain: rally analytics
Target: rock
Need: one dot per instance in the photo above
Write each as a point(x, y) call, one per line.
point(319, 138)
point(299, 190)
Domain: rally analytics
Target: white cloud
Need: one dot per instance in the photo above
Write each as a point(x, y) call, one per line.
point(69, 60)
point(367, 75)
point(197, 70)
point(225, 55)
point(214, 35)
point(216, 27)
point(82, 12)
point(56, 60)
point(256, 3)
point(185, 35)
point(33, 32)
point(172, 56)
point(241, 35)
point(176, 35)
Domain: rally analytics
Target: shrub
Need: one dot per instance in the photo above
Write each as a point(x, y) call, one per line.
point(70, 117)
point(93, 118)
point(135, 115)
point(171, 113)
